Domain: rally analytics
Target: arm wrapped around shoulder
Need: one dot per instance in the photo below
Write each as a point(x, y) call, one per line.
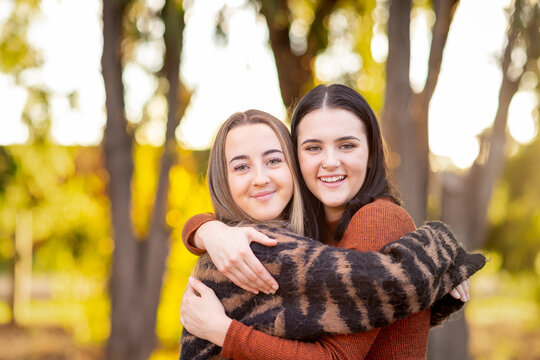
point(329, 290)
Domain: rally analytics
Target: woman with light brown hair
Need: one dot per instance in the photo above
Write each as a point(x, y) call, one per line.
point(252, 181)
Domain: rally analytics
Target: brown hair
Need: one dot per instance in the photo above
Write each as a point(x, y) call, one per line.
point(376, 184)
point(225, 208)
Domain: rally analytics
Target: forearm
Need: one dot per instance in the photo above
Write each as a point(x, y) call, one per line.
point(190, 229)
point(244, 342)
point(373, 289)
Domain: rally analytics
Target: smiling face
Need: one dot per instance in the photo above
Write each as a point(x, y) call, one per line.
point(258, 175)
point(333, 153)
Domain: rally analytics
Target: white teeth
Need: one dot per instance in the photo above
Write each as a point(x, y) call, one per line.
point(331, 179)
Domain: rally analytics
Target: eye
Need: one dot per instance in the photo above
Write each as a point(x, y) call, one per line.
point(274, 162)
point(240, 167)
point(347, 146)
point(313, 148)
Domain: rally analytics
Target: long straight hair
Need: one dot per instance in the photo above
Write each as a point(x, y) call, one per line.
point(225, 208)
point(376, 183)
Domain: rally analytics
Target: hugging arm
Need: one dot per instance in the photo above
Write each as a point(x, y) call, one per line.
point(417, 270)
point(230, 252)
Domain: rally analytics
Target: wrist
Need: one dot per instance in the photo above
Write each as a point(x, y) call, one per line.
point(219, 331)
point(206, 231)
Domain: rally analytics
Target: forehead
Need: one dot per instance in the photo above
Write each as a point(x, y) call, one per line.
point(330, 122)
point(250, 140)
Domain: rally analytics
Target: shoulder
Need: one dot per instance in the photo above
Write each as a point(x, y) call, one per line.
point(375, 225)
point(385, 213)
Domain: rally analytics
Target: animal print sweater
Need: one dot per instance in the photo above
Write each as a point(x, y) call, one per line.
point(328, 290)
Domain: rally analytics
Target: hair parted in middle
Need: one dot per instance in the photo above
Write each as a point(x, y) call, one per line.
point(225, 208)
point(376, 183)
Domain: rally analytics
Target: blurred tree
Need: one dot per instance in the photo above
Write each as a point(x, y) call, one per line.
point(17, 57)
point(51, 196)
point(138, 264)
point(514, 212)
point(301, 32)
point(465, 196)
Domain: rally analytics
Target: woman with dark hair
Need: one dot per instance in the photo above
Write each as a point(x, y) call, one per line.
point(339, 148)
point(330, 102)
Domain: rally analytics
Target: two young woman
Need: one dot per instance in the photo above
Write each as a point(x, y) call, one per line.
point(338, 147)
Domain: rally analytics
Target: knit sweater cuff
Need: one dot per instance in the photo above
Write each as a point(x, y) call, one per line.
point(190, 228)
point(235, 337)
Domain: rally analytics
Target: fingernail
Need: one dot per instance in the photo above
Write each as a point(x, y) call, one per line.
point(275, 287)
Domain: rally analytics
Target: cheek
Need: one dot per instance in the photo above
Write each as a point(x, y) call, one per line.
point(306, 165)
point(289, 185)
point(235, 187)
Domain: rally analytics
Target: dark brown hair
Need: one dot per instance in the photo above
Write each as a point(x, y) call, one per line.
point(376, 184)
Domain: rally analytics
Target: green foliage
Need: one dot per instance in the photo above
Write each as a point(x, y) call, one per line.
point(8, 168)
point(515, 211)
point(64, 190)
point(504, 312)
point(16, 54)
point(68, 206)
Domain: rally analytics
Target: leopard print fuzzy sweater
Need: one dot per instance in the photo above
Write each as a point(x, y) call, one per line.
point(328, 290)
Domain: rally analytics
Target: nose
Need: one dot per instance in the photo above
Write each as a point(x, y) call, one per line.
point(330, 161)
point(261, 177)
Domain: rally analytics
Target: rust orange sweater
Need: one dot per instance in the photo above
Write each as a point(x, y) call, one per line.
point(371, 228)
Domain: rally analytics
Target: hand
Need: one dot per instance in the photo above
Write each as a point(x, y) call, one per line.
point(229, 250)
point(202, 313)
point(461, 291)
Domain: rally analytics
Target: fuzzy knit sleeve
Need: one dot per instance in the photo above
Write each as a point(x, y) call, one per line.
point(406, 276)
point(190, 228)
point(369, 230)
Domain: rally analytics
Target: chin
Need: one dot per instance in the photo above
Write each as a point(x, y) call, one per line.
point(266, 216)
point(333, 203)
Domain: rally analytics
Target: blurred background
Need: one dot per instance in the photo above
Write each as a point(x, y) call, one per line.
point(108, 109)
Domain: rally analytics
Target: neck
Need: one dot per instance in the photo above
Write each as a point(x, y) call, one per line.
point(333, 214)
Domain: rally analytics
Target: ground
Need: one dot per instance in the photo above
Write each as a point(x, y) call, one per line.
point(42, 343)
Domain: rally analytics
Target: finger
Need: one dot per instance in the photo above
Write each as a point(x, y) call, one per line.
point(455, 294)
point(461, 291)
point(259, 237)
point(465, 285)
point(243, 281)
point(189, 291)
point(269, 284)
point(252, 279)
point(198, 286)
point(231, 276)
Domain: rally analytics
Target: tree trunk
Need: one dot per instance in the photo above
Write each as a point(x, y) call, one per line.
point(407, 138)
point(295, 71)
point(22, 270)
point(465, 200)
point(138, 266)
point(119, 163)
point(158, 238)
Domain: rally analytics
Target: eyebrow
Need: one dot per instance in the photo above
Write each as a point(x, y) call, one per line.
point(271, 151)
point(244, 157)
point(338, 139)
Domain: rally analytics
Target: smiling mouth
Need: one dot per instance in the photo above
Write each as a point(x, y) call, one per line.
point(263, 195)
point(332, 179)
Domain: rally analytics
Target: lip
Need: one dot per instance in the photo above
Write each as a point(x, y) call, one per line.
point(263, 195)
point(332, 184)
